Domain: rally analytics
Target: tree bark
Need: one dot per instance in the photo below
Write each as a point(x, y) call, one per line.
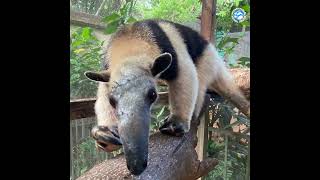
point(206, 19)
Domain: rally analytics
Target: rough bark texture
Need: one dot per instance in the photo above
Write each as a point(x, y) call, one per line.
point(170, 158)
point(242, 79)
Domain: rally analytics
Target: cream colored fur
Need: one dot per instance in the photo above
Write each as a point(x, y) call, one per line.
point(103, 109)
point(184, 90)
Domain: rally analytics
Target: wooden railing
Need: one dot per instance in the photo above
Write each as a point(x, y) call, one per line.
point(84, 108)
point(84, 19)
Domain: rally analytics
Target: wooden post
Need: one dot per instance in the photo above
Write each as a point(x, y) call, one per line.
point(207, 31)
point(214, 23)
point(206, 19)
point(83, 128)
point(248, 164)
point(71, 154)
point(76, 142)
point(203, 136)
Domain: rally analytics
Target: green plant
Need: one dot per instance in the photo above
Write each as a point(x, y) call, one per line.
point(173, 10)
point(85, 54)
point(225, 47)
point(230, 148)
point(122, 17)
point(159, 113)
point(225, 43)
point(85, 156)
point(96, 7)
point(223, 15)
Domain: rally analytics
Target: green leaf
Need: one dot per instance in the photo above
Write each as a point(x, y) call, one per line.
point(161, 112)
point(102, 42)
point(110, 18)
point(232, 124)
point(131, 20)
point(86, 33)
point(245, 23)
point(112, 27)
point(124, 9)
point(243, 120)
point(244, 59)
point(237, 3)
point(226, 40)
point(246, 8)
point(76, 43)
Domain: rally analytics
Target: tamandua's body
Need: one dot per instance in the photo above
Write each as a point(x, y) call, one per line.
point(153, 49)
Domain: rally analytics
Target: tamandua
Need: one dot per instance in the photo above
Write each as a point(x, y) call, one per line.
point(136, 56)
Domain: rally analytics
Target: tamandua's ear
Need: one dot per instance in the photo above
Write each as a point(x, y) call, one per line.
point(161, 64)
point(103, 76)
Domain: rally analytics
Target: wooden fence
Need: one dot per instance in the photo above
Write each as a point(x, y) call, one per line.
point(83, 154)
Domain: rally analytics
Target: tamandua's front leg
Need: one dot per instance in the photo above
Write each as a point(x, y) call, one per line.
point(205, 72)
point(183, 93)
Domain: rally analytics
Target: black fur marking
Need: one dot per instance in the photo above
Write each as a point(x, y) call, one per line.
point(195, 43)
point(164, 44)
point(96, 76)
point(160, 64)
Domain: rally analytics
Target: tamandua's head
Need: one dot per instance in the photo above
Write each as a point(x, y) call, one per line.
point(131, 93)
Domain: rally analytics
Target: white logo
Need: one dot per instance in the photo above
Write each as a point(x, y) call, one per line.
point(238, 15)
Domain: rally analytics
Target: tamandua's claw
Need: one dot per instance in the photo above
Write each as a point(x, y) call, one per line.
point(106, 139)
point(173, 128)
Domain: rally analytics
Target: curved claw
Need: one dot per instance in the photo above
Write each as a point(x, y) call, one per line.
point(172, 128)
point(106, 139)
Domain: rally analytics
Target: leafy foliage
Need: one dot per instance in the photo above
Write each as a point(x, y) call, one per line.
point(93, 6)
point(172, 10)
point(122, 17)
point(159, 113)
point(231, 149)
point(226, 46)
point(85, 54)
point(225, 43)
point(223, 15)
point(86, 156)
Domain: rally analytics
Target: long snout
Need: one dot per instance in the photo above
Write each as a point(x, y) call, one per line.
point(134, 135)
point(136, 157)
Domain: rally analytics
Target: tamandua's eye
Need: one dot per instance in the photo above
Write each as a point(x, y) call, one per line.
point(152, 95)
point(112, 102)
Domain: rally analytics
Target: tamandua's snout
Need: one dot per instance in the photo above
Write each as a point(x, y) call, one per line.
point(133, 99)
point(134, 135)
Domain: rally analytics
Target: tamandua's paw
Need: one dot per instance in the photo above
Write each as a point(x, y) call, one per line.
point(107, 139)
point(174, 127)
